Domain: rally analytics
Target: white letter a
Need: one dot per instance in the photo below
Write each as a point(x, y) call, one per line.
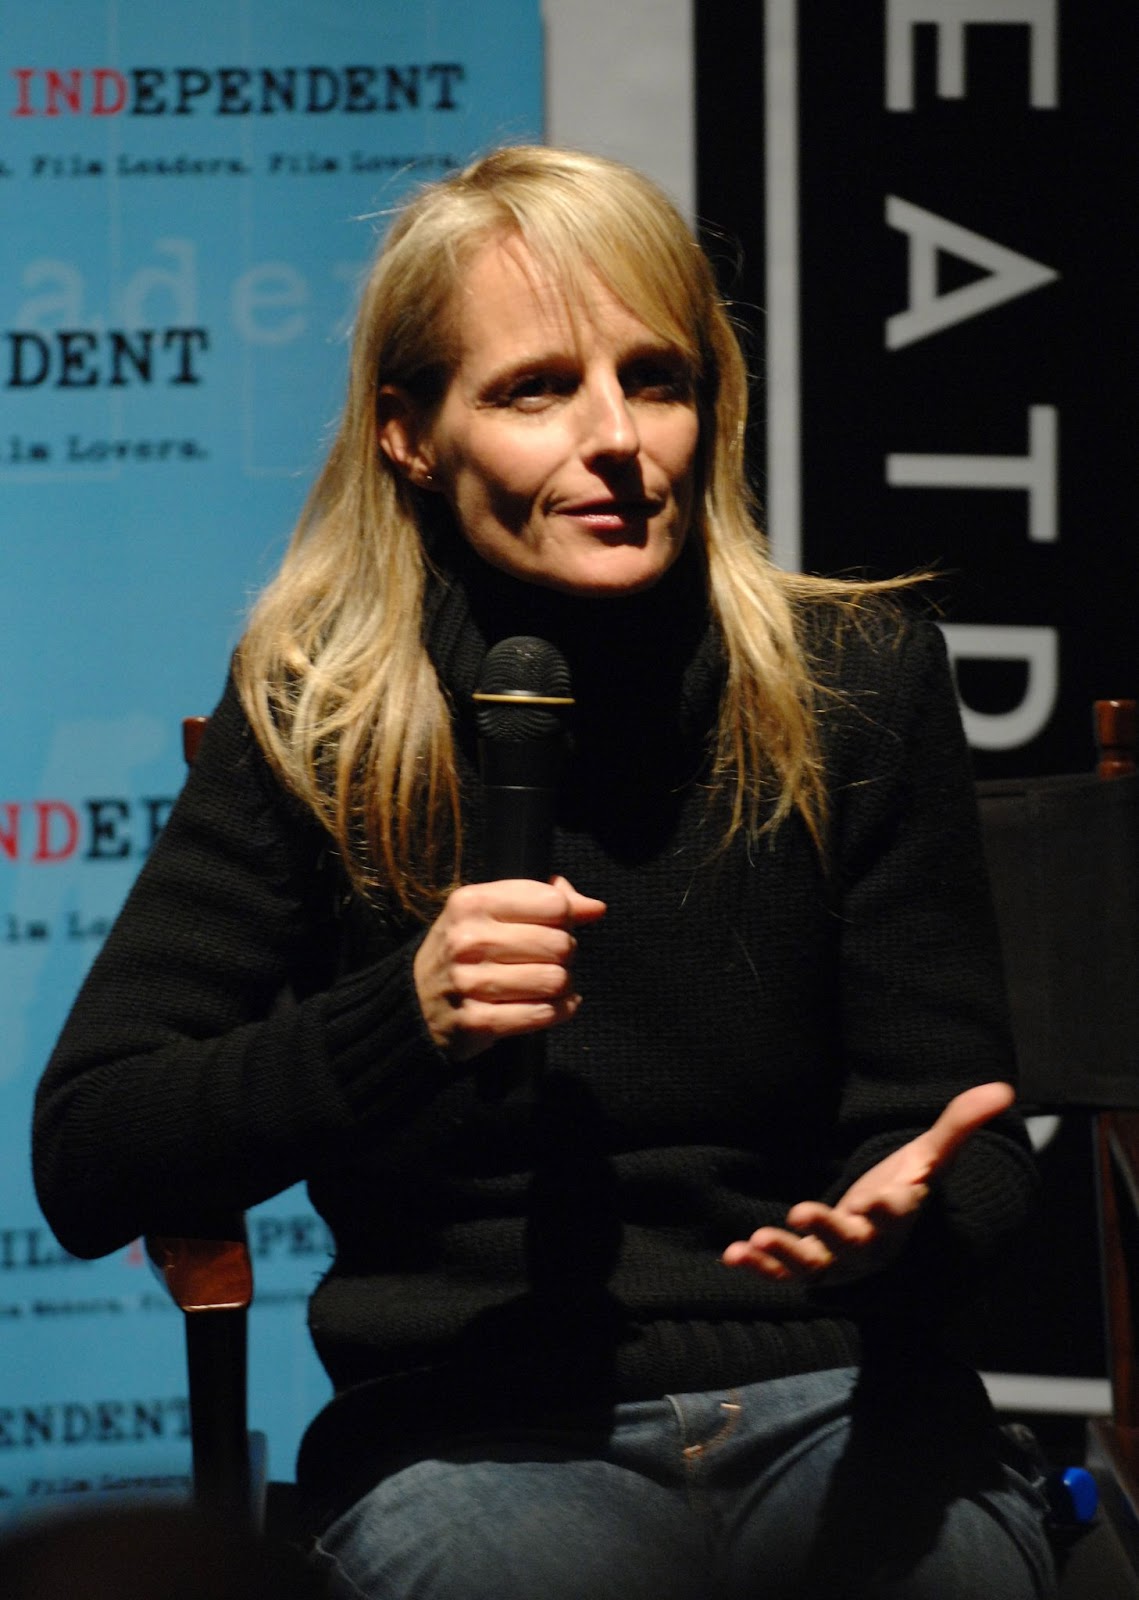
point(1008, 274)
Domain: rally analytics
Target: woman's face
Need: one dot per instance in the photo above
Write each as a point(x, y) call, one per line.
point(566, 446)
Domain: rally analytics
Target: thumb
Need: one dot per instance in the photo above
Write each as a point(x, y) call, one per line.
point(582, 907)
point(961, 1118)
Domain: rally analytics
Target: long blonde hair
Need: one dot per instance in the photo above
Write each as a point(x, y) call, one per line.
point(333, 671)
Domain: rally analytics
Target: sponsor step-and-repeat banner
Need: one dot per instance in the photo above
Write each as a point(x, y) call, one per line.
point(189, 195)
point(931, 201)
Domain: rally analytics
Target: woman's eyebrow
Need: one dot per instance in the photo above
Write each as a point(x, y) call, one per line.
point(542, 359)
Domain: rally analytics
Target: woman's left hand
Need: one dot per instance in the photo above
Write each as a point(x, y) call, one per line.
point(867, 1228)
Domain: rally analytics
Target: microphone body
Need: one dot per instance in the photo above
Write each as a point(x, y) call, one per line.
point(523, 691)
point(519, 793)
point(522, 694)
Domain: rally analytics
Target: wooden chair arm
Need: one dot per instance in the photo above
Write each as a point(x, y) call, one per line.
point(211, 1281)
point(203, 1274)
point(215, 1273)
point(1114, 726)
point(210, 1278)
point(192, 731)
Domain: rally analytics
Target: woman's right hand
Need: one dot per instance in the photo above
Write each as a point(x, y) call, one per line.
point(497, 961)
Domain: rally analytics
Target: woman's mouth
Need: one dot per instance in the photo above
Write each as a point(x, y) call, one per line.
point(604, 516)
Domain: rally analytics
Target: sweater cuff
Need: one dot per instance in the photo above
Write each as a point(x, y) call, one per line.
point(379, 1049)
point(991, 1188)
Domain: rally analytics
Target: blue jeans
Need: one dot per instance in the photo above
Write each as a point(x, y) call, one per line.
point(821, 1485)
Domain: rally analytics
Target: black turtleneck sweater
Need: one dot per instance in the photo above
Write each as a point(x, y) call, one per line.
point(758, 1027)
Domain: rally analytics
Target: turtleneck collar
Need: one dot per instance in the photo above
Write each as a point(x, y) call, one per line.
point(648, 658)
point(646, 673)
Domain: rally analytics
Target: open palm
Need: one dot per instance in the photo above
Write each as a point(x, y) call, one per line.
point(866, 1229)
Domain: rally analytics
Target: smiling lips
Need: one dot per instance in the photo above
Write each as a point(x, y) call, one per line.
point(611, 515)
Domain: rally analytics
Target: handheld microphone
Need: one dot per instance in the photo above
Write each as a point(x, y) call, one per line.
point(523, 691)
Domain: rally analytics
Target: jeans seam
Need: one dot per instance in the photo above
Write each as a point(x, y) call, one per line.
point(681, 1422)
point(327, 1557)
point(731, 1411)
point(733, 1407)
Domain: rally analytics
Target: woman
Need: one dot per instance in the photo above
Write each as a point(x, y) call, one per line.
point(666, 1320)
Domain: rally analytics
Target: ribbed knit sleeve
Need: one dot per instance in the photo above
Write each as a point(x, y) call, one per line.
point(214, 1056)
point(921, 988)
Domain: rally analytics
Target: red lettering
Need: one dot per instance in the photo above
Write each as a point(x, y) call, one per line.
point(67, 87)
point(47, 831)
point(101, 106)
point(10, 831)
point(47, 848)
point(64, 88)
point(24, 76)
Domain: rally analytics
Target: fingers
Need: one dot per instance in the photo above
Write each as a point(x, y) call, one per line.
point(472, 936)
point(478, 1025)
point(838, 1229)
point(816, 1238)
point(778, 1254)
point(522, 903)
point(842, 1243)
point(837, 1249)
point(498, 960)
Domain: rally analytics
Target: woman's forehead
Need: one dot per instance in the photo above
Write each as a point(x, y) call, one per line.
point(511, 294)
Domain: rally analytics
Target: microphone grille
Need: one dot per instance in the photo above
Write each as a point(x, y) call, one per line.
point(524, 686)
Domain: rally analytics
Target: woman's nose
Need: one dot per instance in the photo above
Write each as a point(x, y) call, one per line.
point(611, 426)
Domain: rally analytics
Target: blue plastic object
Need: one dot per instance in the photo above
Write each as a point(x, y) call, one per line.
point(1080, 1493)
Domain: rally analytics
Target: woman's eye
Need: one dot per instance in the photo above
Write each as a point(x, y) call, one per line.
point(537, 389)
point(658, 380)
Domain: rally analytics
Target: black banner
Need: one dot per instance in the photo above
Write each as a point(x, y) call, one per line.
point(924, 211)
point(934, 200)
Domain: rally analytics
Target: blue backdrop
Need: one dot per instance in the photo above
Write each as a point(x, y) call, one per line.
point(188, 197)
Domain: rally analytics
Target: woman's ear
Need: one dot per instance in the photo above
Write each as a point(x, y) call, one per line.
point(401, 433)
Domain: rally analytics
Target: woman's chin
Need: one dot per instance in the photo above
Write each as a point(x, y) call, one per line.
point(608, 572)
